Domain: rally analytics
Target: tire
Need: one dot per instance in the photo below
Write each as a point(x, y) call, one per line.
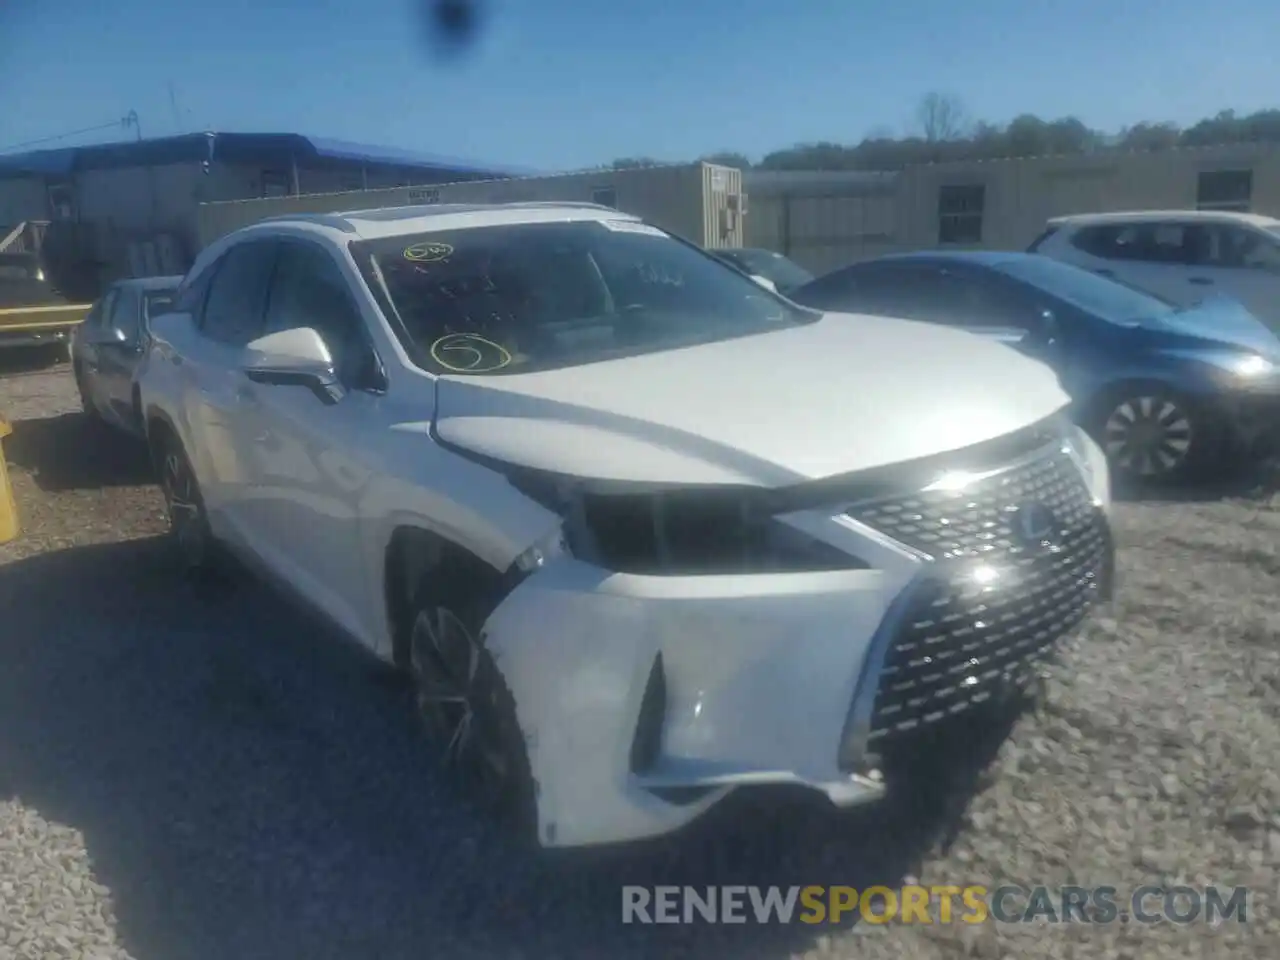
point(189, 528)
point(89, 410)
point(466, 709)
point(1153, 435)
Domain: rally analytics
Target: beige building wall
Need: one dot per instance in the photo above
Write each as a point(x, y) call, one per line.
point(1020, 195)
point(823, 221)
point(701, 202)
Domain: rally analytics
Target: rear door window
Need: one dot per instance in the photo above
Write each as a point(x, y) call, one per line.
point(1166, 242)
point(1171, 243)
point(1226, 246)
point(156, 302)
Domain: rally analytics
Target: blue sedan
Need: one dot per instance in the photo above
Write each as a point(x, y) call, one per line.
point(1168, 392)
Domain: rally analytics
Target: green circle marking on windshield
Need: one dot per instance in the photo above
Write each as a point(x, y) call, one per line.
point(468, 353)
point(428, 252)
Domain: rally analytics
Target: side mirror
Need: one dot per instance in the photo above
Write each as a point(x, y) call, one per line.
point(1042, 333)
point(107, 337)
point(1048, 325)
point(295, 358)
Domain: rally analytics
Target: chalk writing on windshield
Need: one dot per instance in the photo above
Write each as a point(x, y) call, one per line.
point(428, 252)
point(469, 353)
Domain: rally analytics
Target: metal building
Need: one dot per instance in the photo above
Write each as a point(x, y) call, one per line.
point(132, 206)
point(701, 202)
point(824, 220)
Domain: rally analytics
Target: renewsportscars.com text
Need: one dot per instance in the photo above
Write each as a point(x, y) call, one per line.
point(942, 904)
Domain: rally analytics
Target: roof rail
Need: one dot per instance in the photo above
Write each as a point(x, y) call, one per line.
point(341, 222)
point(335, 220)
point(576, 204)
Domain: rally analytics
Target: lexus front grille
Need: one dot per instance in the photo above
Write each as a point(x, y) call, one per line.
point(997, 595)
point(952, 521)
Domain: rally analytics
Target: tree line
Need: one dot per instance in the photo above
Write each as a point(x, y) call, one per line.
point(942, 131)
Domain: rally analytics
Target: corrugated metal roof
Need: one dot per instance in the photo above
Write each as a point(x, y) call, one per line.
point(265, 147)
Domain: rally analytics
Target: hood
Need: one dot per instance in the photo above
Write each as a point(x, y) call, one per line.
point(1218, 321)
point(844, 393)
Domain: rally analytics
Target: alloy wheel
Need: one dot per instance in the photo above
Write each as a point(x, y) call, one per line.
point(186, 515)
point(1149, 436)
point(458, 702)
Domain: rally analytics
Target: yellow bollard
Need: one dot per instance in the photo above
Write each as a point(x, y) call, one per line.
point(8, 509)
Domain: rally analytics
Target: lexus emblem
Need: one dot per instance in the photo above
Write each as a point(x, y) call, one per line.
point(1035, 527)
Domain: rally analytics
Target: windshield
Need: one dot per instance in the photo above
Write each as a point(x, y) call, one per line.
point(1097, 295)
point(156, 302)
point(771, 266)
point(535, 296)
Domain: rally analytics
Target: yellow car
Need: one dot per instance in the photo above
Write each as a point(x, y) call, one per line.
point(8, 511)
point(33, 313)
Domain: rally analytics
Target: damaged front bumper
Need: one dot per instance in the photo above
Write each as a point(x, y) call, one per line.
point(646, 698)
point(757, 674)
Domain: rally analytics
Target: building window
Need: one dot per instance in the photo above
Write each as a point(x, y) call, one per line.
point(275, 184)
point(960, 213)
point(62, 201)
point(605, 197)
point(1224, 190)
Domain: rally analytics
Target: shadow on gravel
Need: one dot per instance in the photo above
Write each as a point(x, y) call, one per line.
point(1259, 481)
point(74, 452)
point(17, 361)
point(250, 788)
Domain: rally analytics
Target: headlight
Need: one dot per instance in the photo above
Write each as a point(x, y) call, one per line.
point(670, 532)
point(696, 531)
point(1084, 450)
point(540, 553)
point(1250, 366)
point(1239, 367)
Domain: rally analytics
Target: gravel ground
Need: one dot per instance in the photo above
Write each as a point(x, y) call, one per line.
point(200, 774)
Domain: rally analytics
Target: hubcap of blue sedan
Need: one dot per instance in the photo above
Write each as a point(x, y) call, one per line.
point(1149, 436)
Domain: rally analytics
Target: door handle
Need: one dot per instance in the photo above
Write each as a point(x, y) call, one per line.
point(1104, 272)
point(1200, 281)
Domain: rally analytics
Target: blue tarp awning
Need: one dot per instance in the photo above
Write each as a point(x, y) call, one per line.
point(277, 149)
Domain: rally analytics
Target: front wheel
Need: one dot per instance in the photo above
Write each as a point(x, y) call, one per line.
point(469, 713)
point(188, 522)
point(1154, 436)
point(86, 405)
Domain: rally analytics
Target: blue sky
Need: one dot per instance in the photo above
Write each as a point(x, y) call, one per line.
point(562, 84)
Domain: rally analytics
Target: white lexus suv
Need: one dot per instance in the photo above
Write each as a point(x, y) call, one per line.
point(640, 531)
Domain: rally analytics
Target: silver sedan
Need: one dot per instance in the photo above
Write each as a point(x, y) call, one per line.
point(107, 348)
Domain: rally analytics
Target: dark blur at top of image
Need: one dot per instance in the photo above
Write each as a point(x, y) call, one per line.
point(453, 26)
